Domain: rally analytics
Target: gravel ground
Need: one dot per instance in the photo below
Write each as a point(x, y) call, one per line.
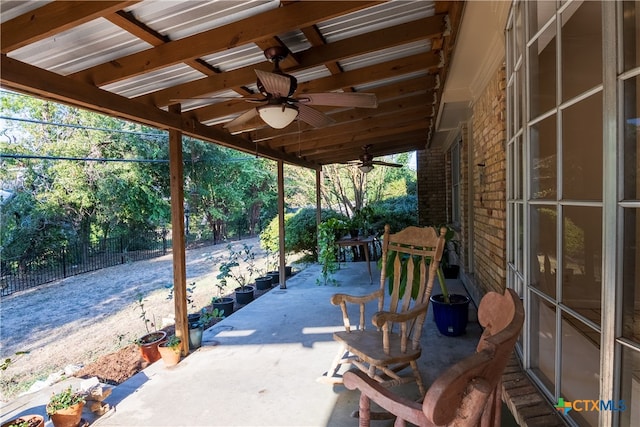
point(76, 320)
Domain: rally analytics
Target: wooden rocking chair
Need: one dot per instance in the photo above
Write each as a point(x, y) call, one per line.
point(469, 392)
point(411, 258)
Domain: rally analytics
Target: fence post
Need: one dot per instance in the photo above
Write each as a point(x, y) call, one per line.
point(64, 262)
point(121, 251)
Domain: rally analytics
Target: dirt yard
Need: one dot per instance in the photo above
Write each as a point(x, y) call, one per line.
point(77, 320)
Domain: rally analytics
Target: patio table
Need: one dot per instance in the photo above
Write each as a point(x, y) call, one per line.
point(358, 242)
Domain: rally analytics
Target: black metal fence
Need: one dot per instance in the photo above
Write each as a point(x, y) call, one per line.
point(78, 258)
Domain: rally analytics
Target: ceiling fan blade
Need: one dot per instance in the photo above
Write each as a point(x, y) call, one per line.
point(242, 118)
point(381, 163)
point(275, 84)
point(340, 99)
point(313, 117)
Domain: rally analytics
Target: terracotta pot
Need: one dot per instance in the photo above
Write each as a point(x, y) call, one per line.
point(149, 345)
point(170, 357)
point(68, 417)
point(33, 420)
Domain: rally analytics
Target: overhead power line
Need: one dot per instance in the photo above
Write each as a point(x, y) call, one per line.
point(85, 159)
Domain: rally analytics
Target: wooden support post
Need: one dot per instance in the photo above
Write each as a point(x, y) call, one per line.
point(283, 282)
point(177, 233)
point(318, 202)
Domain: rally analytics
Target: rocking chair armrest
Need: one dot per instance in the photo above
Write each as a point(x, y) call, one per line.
point(400, 406)
point(382, 317)
point(338, 299)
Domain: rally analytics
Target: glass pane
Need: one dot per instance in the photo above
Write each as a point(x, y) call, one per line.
point(631, 275)
point(519, 29)
point(519, 166)
point(581, 42)
point(579, 374)
point(544, 170)
point(543, 341)
point(632, 138)
point(582, 150)
point(539, 14)
point(510, 112)
point(544, 262)
point(582, 260)
point(511, 168)
point(519, 251)
point(631, 34)
point(630, 388)
point(542, 73)
point(518, 113)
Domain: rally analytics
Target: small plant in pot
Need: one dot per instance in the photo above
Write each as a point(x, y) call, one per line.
point(65, 408)
point(197, 328)
point(148, 343)
point(170, 351)
point(450, 311)
point(231, 268)
point(328, 232)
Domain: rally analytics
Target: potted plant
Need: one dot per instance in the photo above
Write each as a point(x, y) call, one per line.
point(65, 408)
point(26, 421)
point(170, 351)
point(148, 343)
point(450, 311)
point(197, 328)
point(230, 268)
point(328, 232)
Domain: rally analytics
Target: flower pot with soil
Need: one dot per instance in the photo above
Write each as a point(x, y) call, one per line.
point(148, 345)
point(26, 421)
point(224, 305)
point(244, 294)
point(263, 283)
point(240, 266)
point(65, 408)
point(450, 311)
point(275, 277)
point(170, 351)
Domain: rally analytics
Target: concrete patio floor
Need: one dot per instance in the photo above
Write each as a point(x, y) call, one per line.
point(259, 366)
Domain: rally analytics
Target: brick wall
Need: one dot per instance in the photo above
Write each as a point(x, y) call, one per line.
point(432, 204)
point(489, 183)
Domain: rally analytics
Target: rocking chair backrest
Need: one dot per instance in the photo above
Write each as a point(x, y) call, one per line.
point(411, 258)
point(463, 391)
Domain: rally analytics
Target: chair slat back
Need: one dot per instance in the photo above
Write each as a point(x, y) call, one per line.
point(414, 254)
point(502, 316)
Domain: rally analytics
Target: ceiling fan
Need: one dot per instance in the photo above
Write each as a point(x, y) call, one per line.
point(366, 162)
point(279, 107)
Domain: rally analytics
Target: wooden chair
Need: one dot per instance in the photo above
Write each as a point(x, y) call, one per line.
point(469, 392)
point(413, 254)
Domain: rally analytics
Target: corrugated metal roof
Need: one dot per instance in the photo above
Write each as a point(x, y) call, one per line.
point(111, 52)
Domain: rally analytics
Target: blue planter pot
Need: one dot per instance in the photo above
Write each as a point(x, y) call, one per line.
point(451, 319)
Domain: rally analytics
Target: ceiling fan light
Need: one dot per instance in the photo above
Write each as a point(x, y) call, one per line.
point(278, 116)
point(365, 168)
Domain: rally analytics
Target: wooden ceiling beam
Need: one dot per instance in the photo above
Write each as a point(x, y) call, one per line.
point(389, 110)
point(53, 18)
point(312, 57)
point(21, 77)
point(268, 24)
point(380, 146)
point(422, 62)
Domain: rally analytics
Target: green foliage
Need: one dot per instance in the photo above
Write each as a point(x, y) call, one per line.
point(173, 342)
point(300, 231)
point(328, 232)
point(63, 400)
point(398, 212)
point(143, 312)
point(8, 361)
point(230, 267)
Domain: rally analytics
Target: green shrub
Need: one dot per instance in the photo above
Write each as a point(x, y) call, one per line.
point(300, 232)
point(398, 212)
